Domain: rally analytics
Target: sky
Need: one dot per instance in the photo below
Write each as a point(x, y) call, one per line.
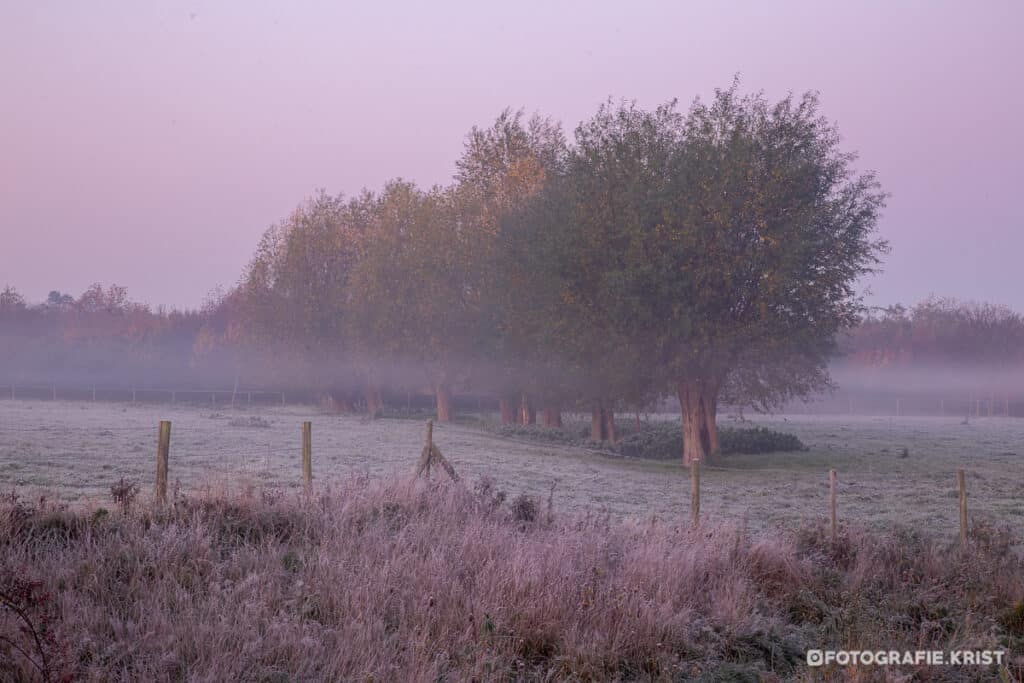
point(151, 144)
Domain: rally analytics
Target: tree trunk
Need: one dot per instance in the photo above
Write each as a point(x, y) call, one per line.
point(597, 423)
point(609, 423)
point(710, 415)
point(527, 411)
point(696, 435)
point(444, 403)
point(553, 416)
point(374, 404)
point(508, 412)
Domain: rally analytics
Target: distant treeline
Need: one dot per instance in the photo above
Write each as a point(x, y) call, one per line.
point(708, 254)
point(103, 337)
point(937, 331)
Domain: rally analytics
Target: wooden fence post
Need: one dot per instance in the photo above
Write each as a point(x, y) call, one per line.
point(961, 485)
point(695, 492)
point(163, 449)
point(430, 445)
point(832, 503)
point(432, 453)
point(307, 456)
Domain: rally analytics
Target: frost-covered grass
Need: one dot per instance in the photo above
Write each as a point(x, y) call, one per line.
point(73, 452)
point(384, 580)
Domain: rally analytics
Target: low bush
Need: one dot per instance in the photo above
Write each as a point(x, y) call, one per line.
point(664, 441)
point(658, 440)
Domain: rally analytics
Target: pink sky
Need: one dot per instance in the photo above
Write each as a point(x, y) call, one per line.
point(150, 144)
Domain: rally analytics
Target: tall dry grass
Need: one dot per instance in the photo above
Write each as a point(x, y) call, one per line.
point(392, 582)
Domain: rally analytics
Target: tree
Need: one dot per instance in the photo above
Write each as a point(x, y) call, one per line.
point(697, 244)
point(11, 301)
point(502, 169)
point(416, 293)
point(56, 299)
point(294, 290)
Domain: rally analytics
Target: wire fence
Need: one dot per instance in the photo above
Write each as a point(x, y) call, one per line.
point(910, 405)
point(211, 397)
point(78, 454)
point(83, 462)
point(978, 404)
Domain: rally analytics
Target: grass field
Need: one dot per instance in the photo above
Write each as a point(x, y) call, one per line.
point(74, 451)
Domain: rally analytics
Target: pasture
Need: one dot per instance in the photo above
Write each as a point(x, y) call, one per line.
point(72, 452)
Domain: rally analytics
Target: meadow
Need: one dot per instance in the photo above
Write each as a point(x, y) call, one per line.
point(890, 470)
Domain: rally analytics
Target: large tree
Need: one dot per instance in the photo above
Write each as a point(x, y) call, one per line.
point(696, 244)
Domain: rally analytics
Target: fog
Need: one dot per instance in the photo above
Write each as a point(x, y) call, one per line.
point(37, 360)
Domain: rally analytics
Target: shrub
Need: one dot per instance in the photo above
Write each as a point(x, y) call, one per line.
point(524, 508)
point(656, 440)
point(757, 440)
point(664, 441)
point(124, 492)
point(28, 615)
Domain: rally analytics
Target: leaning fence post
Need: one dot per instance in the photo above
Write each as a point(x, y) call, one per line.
point(961, 485)
point(832, 503)
point(307, 456)
point(428, 452)
point(695, 491)
point(163, 448)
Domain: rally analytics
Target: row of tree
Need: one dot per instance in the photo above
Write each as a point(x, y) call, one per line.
point(710, 254)
point(705, 254)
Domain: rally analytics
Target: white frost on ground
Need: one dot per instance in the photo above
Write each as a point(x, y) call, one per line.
point(74, 451)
